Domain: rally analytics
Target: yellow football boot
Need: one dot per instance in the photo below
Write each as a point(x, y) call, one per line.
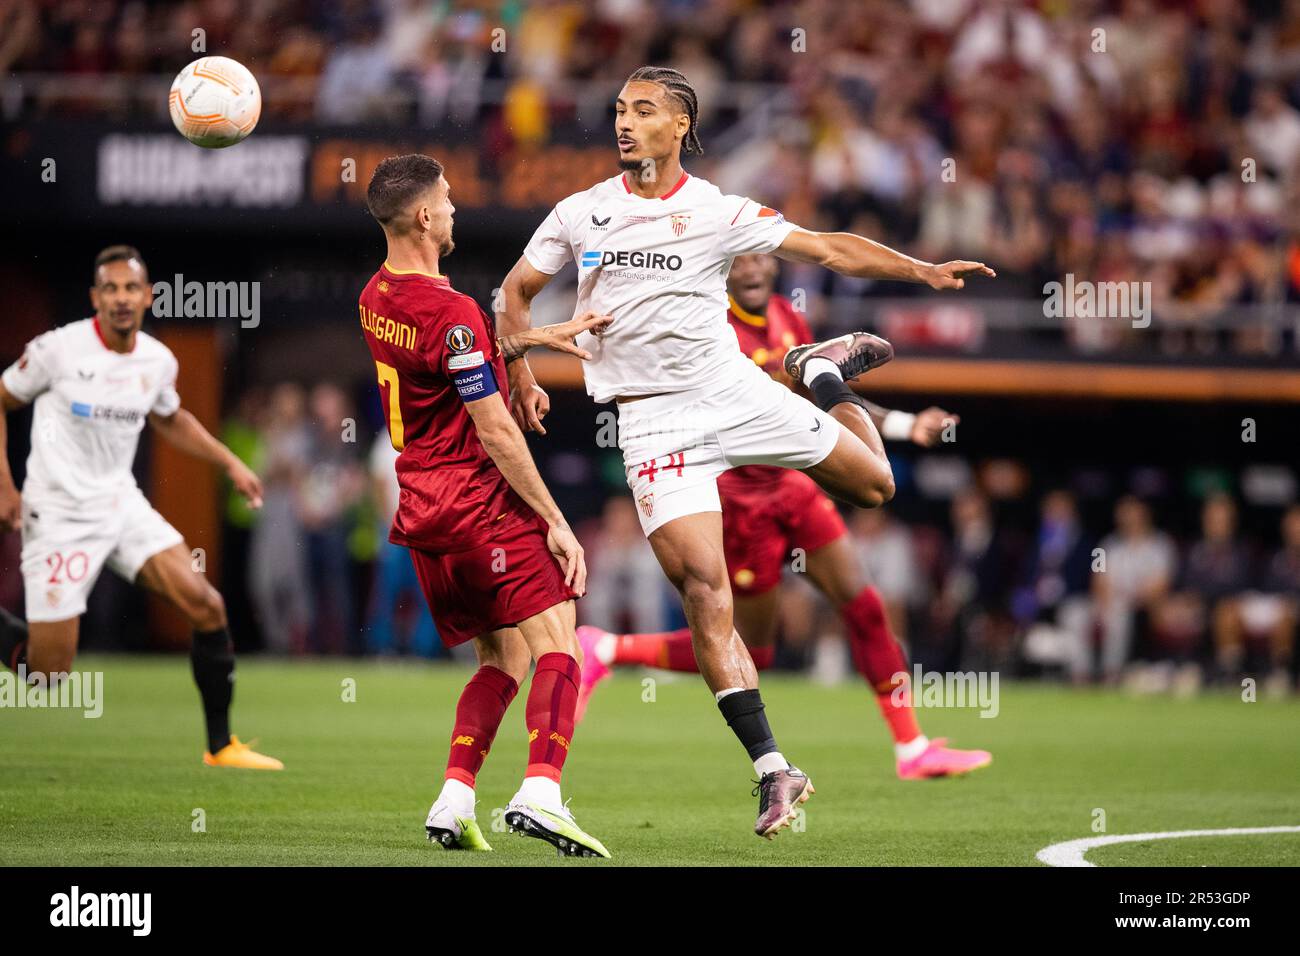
point(239, 754)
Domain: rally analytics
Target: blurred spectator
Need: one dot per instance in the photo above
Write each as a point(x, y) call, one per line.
point(357, 79)
point(331, 482)
point(1273, 130)
point(1055, 586)
point(19, 29)
point(970, 611)
point(1140, 563)
point(277, 567)
point(1265, 618)
point(1214, 575)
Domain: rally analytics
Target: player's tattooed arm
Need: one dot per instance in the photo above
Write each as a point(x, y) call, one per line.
point(852, 255)
point(11, 502)
point(187, 433)
point(515, 304)
point(558, 337)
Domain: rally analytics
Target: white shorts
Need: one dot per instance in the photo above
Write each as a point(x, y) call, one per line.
point(676, 445)
point(1261, 612)
point(65, 548)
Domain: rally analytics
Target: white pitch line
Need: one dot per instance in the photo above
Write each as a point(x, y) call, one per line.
point(1070, 853)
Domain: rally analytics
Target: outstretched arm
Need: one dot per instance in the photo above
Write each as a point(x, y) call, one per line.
point(11, 502)
point(558, 338)
point(188, 434)
point(852, 255)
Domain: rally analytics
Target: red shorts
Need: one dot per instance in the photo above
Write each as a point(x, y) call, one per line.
point(767, 514)
point(497, 584)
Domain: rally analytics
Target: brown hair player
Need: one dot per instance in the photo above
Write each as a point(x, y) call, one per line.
point(653, 247)
point(95, 383)
point(767, 512)
point(498, 563)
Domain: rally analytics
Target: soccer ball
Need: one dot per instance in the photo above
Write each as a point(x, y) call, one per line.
point(215, 102)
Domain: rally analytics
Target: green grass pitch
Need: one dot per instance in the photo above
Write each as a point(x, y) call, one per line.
point(660, 782)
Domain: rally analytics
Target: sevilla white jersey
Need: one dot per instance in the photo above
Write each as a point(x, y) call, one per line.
point(91, 405)
point(659, 267)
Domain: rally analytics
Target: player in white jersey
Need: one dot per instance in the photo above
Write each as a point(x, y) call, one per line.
point(653, 247)
point(94, 384)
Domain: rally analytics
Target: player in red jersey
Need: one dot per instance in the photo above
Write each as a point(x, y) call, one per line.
point(766, 513)
point(496, 559)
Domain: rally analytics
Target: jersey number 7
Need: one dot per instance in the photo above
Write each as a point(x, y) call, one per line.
point(396, 431)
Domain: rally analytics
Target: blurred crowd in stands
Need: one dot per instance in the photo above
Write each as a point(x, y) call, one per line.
point(1114, 140)
point(986, 573)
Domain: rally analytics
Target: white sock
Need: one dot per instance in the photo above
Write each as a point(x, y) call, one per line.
point(459, 797)
point(770, 763)
point(605, 649)
point(820, 366)
point(912, 749)
point(540, 791)
point(727, 693)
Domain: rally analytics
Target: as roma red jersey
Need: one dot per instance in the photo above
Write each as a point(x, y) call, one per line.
point(426, 338)
point(765, 339)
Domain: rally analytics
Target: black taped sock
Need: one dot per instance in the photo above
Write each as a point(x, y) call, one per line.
point(744, 714)
point(212, 657)
point(13, 641)
point(829, 390)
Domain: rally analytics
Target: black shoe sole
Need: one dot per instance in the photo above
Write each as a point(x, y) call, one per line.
point(527, 826)
point(791, 361)
point(445, 838)
point(800, 799)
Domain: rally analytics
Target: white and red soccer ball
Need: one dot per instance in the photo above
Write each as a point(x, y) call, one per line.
point(215, 102)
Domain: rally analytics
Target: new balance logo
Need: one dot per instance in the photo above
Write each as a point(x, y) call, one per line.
point(464, 740)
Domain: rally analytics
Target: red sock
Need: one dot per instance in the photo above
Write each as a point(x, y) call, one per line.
point(482, 704)
point(679, 652)
point(879, 658)
point(674, 651)
point(655, 650)
point(552, 701)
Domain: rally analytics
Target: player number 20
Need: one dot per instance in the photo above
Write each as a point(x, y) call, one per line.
point(396, 431)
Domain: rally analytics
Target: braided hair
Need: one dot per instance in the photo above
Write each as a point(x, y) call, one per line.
point(677, 85)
